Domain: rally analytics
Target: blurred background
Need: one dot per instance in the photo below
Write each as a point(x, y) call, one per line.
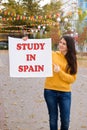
point(44, 19)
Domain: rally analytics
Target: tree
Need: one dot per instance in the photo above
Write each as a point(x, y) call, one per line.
point(82, 14)
point(31, 7)
point(20, 10)
point(52, 11)
point(83, 36)
point(52, 8)
point(11, 11)
point(30, 14)
point(13, 7)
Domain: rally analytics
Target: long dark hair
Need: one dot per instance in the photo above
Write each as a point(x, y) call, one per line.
point(71, 54)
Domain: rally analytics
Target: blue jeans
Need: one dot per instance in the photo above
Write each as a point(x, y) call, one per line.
point(58, 100)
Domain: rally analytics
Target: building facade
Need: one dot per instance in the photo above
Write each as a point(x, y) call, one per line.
point(82, 4)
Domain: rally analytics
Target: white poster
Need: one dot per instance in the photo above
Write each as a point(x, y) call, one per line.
point(30, 58)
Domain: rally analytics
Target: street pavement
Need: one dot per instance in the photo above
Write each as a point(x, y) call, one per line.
point(22, 105)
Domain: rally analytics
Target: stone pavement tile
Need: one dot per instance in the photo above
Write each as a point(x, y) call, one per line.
point(23, 106)
point(3, 124)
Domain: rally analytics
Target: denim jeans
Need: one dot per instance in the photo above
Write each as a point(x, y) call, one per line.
point(58, 101)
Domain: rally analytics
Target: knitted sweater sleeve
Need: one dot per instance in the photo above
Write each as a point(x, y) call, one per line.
point(67, 77)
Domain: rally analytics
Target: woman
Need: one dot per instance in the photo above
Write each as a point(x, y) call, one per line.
point(57, 91)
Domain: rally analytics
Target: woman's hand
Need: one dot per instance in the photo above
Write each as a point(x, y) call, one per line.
point(25, 38)
point(56, 68)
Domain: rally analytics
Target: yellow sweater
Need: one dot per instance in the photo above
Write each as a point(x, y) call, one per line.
point(61, 80)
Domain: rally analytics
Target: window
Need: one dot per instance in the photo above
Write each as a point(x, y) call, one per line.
point(86, 5)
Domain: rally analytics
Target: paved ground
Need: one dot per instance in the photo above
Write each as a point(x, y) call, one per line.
point(22, 106)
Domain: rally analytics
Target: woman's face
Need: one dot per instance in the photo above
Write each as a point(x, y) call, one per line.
point(63, 46)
